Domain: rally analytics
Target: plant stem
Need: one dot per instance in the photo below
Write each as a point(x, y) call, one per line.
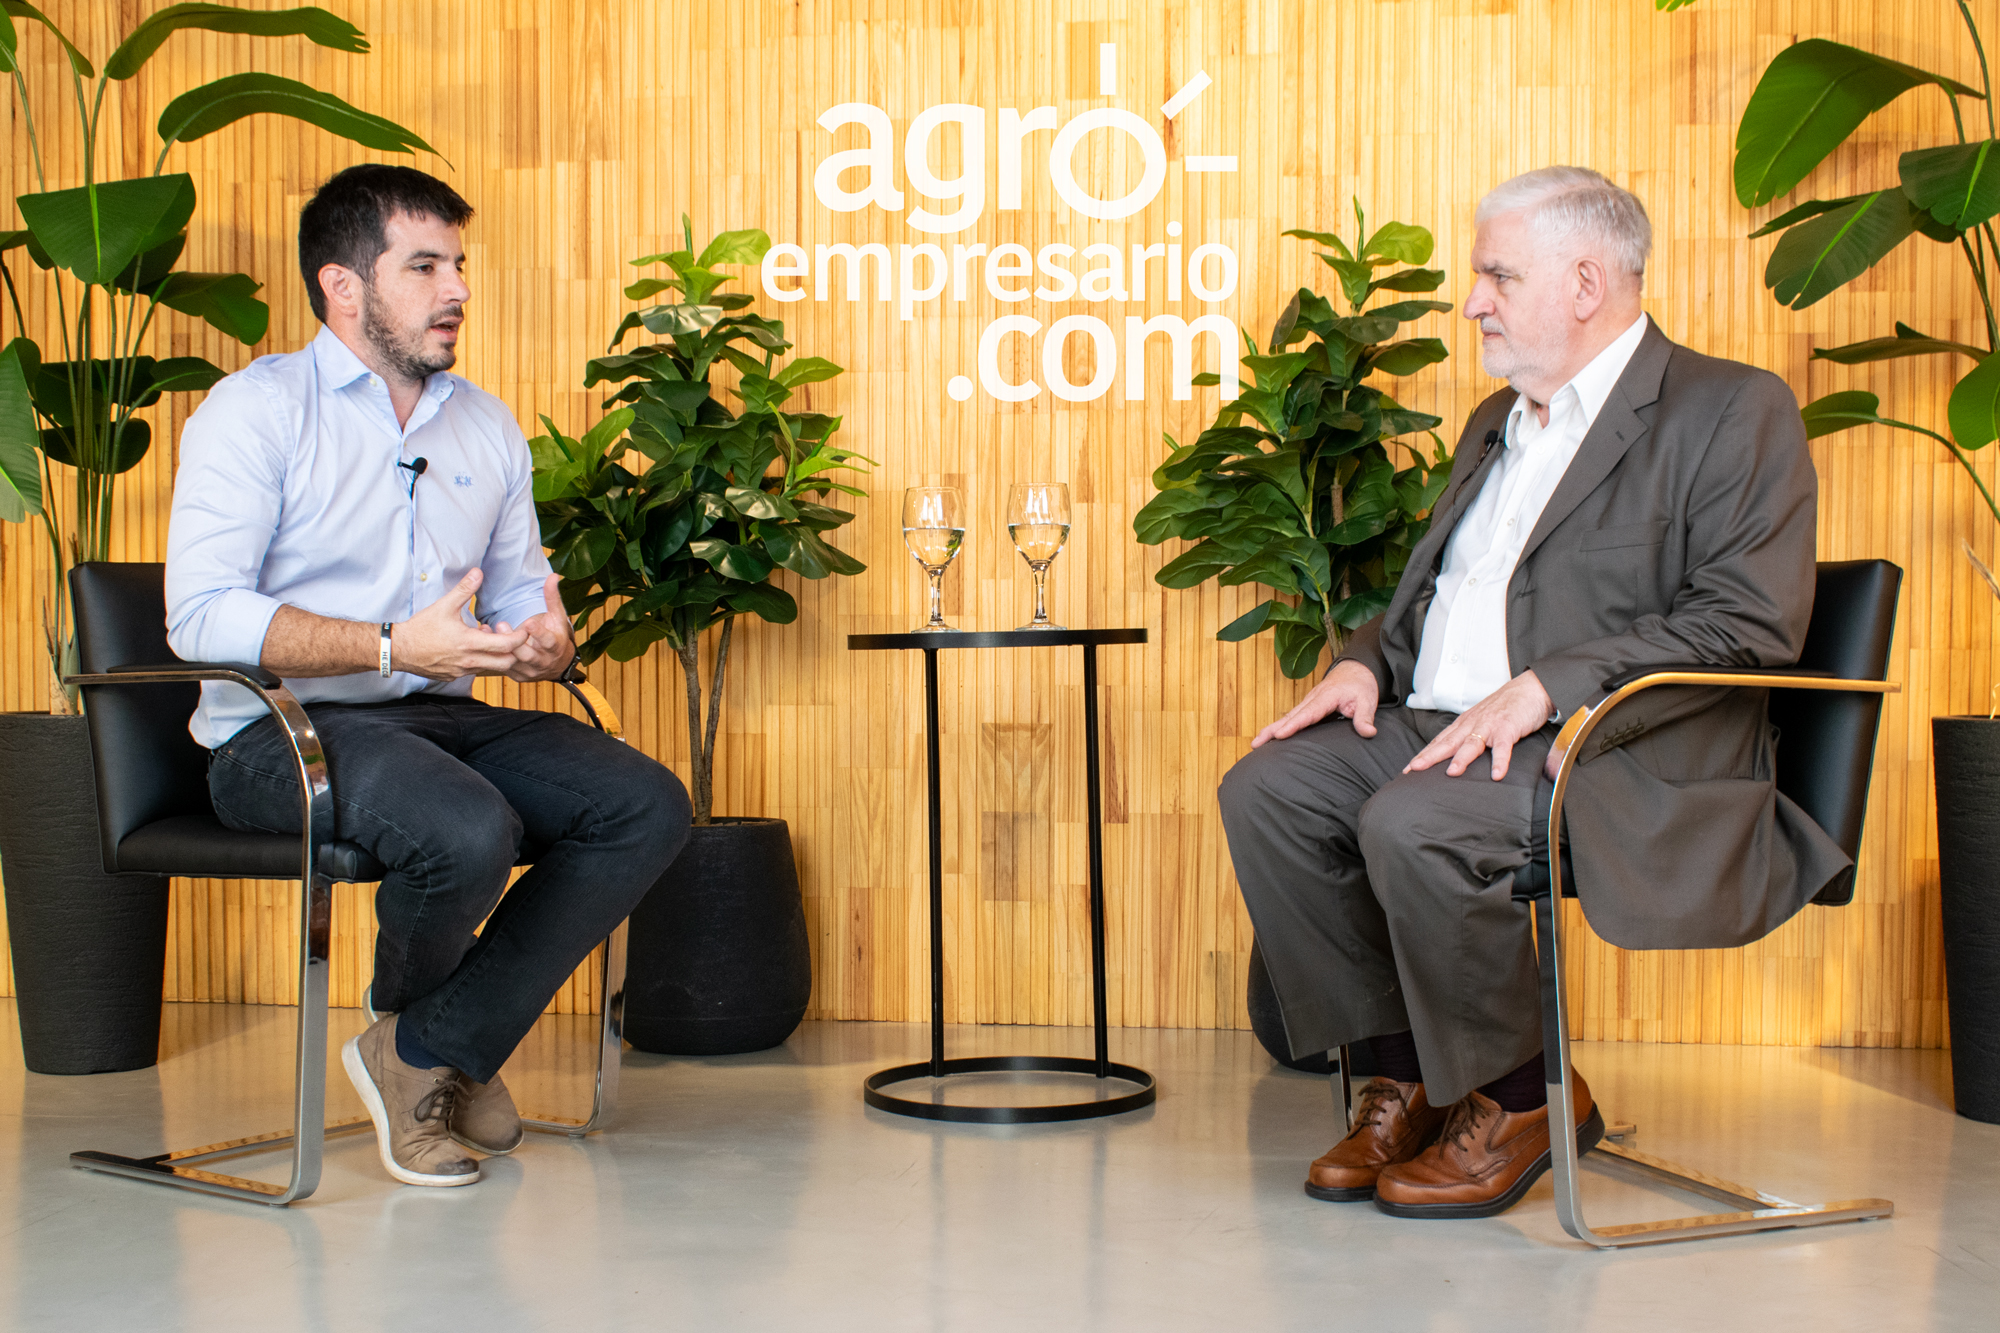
point(1979, 279)
point(1985, 76)
point(20, 320)
point(690, 654)
point(714, 714)
point(1956, 452)
point(34, 144)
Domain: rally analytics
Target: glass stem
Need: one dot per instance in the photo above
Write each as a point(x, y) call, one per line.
point(1041, 593)
point(936, 576)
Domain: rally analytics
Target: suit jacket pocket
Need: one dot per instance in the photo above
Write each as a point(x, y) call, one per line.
point(1624, 534)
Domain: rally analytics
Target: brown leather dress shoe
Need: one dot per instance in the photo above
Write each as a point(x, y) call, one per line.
point(1392, 1123)
point(1484, 1160)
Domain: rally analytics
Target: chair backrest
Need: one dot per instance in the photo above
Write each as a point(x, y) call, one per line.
point(1826, 741)
point(148, 766)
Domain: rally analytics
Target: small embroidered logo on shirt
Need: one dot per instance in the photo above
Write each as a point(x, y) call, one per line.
point(461, 478)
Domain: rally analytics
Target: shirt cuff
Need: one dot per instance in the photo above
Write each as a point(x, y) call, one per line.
point(238, 621)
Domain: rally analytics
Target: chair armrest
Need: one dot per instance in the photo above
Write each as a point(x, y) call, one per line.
point(243, 673)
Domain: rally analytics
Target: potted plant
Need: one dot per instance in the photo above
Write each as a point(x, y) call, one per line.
point(1294, 487)
point(1811, 99)
point(89, 948)
point(667, 520)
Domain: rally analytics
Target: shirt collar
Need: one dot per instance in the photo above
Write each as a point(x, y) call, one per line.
point(339, 367)
point(1593, 384)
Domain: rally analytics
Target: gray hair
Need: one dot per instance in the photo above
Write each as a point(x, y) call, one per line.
point(1568, 205)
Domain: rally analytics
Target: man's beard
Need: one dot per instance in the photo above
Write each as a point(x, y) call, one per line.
point(403, 353)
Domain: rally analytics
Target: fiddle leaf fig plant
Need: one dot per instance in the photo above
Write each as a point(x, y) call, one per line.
point(670, 515)
point(107, 253)
point(1811, 99)
point(1294, 486)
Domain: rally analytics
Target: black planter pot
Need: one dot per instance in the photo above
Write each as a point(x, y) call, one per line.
point(717, 959)
point(1966, 765)
point(90, 949)
point(1269, 1025)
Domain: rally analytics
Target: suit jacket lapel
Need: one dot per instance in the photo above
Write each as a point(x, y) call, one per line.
point(1617, 428)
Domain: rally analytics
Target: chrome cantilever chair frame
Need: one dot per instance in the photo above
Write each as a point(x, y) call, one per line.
point(309, 1125)
point(1754, 1210)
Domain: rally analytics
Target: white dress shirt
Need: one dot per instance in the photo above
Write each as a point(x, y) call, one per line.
point(289, 493)
point(1463, 655)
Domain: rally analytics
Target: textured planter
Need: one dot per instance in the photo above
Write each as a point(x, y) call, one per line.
point(717, 959)
point(89, 948)
point(1966, 765)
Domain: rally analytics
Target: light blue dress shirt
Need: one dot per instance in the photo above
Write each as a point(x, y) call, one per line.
point(289, 493)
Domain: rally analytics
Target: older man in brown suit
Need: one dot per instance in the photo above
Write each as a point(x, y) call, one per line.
point(1626, 502)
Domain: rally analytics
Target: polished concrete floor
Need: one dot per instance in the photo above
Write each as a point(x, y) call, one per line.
point(757, 1192)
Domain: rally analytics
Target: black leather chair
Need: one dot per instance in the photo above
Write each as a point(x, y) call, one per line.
point(1827, 709)
point(154, 816)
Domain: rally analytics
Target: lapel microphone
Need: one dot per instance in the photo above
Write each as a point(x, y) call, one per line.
point(1485, 448)
point(416, 469)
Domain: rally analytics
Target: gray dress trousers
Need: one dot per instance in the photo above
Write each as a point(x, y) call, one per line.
point(1383, 901)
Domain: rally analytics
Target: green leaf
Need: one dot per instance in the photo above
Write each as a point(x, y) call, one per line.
point(1399, 242)
point(96, 231)
point(671, 320)
point(1197, 564)
point(634, 642)
point(204, 110)
point(135, 437)
point(1356, 277)
point(1888, 349)
point(1812, 96)
point(734, 247)
point(1254, 621)
point(20, 9)
point(807, 370)
point(1975, 406)
point(583, 552)
point(1840, 411)
point(766, 602)
point(1827, 251)
point(227, 301)
point(1405, 311)
point(1409, 280)
point(601, 436)
point(1811, 208)
point(1958, 184)
point(1299, 646)
point(1325, 238)
point(147, 271)
point(20, 466)
point(10, 42)
point(314, 24)
point(1408, 357)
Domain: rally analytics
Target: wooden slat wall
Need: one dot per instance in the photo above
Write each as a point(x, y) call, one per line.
point(582, 129)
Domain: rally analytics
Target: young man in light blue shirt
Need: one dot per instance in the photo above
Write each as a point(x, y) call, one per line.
point(336, 513)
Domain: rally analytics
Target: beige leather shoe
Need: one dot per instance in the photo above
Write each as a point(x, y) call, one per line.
point(483, 1117)
point(411, 1109)
point(1392, 1123)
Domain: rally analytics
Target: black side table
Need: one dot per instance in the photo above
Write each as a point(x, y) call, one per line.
point(937, 1066)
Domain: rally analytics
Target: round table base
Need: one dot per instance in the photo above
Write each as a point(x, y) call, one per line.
point(871, 1090)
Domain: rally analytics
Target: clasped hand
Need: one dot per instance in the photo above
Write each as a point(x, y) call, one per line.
point(437, 643)
point(1519, 708)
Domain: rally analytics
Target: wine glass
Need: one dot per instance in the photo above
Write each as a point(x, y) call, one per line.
point(933, 529)
point(1038, 521)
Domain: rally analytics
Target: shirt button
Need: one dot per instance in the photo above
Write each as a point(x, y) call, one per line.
point(1510, 522)
point(1457, 658)
point(423, 578)
point(1472, 583)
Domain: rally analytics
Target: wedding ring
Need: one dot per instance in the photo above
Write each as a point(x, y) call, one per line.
point(1479, 736)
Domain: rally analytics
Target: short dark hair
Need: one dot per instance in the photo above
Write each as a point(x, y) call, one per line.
point(346, 221)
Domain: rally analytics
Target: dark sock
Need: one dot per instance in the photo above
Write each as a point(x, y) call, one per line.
point(1522, 1090)
point(413, 1052)
point(1396, 1057)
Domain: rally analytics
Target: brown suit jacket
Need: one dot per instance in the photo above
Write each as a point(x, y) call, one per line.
point(1682, 532)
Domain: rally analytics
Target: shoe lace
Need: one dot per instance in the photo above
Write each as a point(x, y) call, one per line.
point(438, 1102)
point(1369, 1111)
point(1461, 1122)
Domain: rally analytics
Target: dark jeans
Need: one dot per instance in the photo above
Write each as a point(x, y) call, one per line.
point(449, 793)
